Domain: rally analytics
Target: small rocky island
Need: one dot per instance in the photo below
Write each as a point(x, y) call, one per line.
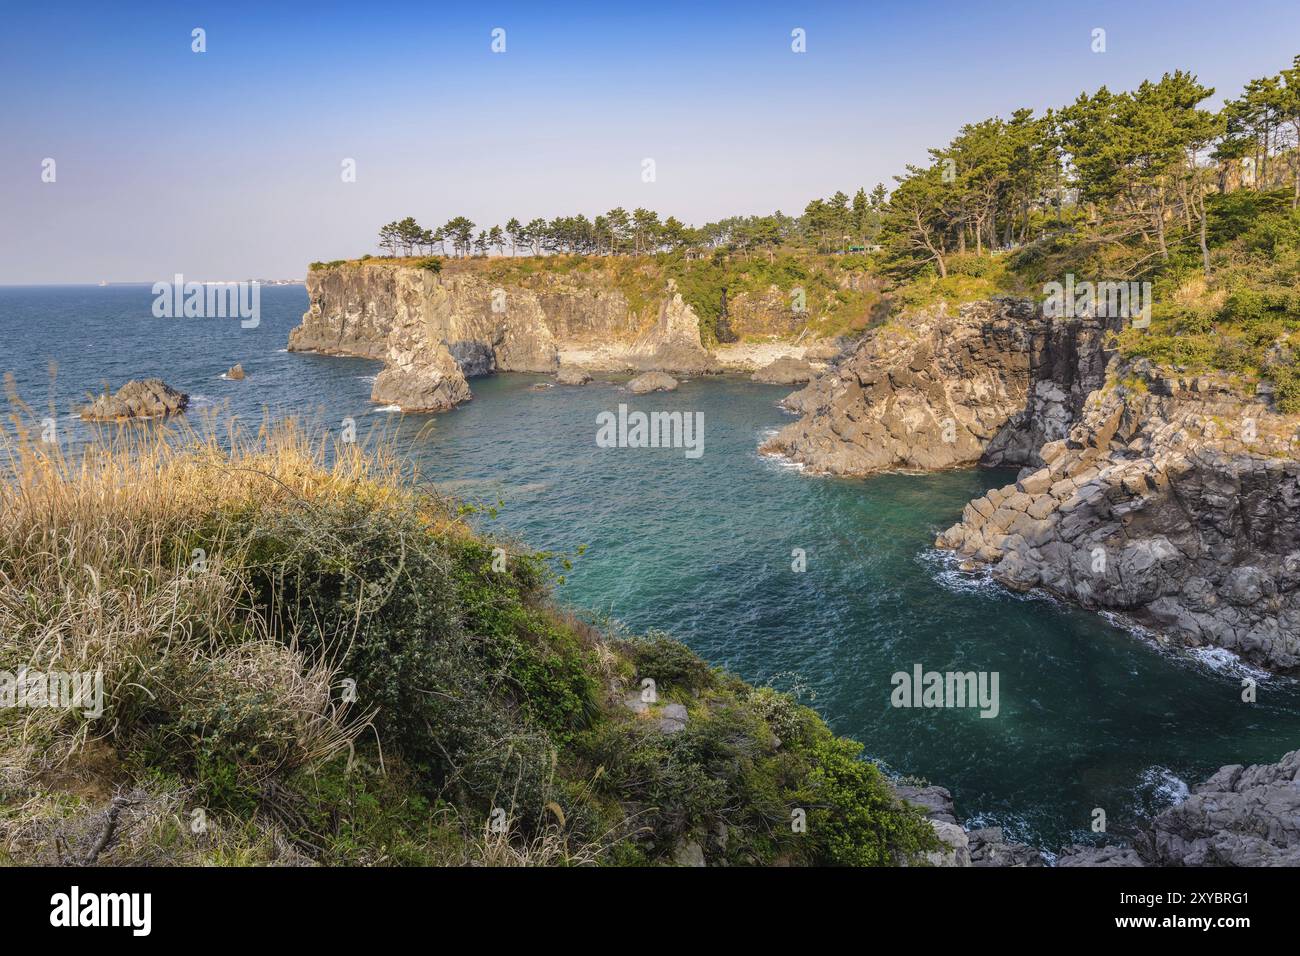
point(137, 399)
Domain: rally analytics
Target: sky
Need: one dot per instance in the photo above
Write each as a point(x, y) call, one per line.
point(228, 164)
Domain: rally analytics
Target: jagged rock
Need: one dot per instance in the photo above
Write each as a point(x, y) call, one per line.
point(1098, 856)
point(989, 847)
point(1239, 817)
point(417, 385)
point(991, 383)
point(138, 398)
point(785, 371)
point(652, 382)
point(235, 373)
point(568, 375)
point(935, 801)
point(1176, 504)
point(980, 847)
point(673, 344)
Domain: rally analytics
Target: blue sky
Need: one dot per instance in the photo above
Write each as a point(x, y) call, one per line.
point(226, 164)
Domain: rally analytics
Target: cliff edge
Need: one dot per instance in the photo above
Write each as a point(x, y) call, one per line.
point(436, 329)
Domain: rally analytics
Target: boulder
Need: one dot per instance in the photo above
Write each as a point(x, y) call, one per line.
point(652, 382)
point(569, 375)
point(786, 370)
point(236, 373)
point(689, 853)
point(421, 384)
point(954, 845)
point(672, 718)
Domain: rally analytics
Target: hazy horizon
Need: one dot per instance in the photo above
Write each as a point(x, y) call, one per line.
point(226, 164)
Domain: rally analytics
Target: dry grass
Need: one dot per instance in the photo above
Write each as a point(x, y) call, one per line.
point(97, 574)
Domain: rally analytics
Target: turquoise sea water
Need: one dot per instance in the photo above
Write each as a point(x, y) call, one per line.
point(1090, 715)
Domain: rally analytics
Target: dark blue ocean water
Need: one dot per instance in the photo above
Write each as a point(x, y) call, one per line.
point(1091, 715)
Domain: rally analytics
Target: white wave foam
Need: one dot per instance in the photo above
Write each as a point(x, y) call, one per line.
point(1164, 785)
point(778, 460)
point(388, 408)
point(1218, 659)
point(946, 569)
point(787, 464)
point(1224, 661)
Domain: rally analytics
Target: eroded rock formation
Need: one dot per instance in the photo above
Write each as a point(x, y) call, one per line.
point(1175, 501)
point(988, 384)
point(436, 330)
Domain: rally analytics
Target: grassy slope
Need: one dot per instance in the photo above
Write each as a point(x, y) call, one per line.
point(233, 592)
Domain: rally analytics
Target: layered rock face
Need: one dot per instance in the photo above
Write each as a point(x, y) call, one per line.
point(988, 384)
point(1175, 501)
point(436, 330)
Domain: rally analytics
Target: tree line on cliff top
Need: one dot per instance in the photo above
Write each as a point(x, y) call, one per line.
point(837, 223)
point(1124, 168)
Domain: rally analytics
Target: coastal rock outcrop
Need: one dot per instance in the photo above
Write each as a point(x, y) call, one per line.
point(138, 398)
point(988, 384)
point(1174, 500)
point(436, 330)
point(235, 373)
point(985, 846)
point(1240, 816)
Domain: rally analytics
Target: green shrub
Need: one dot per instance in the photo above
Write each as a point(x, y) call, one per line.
point(669, 663)
point(856, 818)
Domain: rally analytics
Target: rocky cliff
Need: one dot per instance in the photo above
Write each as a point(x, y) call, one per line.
point(1173, 500)
point(987, 384)
point(436, 330)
